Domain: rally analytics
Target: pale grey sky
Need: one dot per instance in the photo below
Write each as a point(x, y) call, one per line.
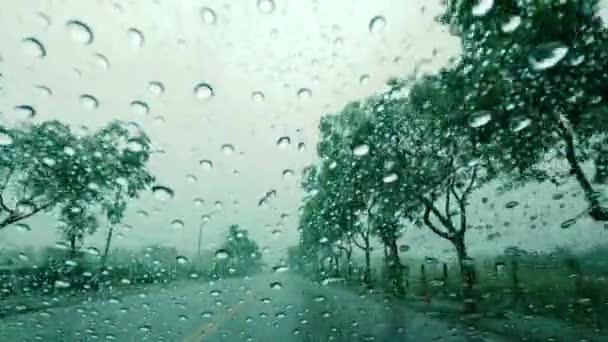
point(330, 48)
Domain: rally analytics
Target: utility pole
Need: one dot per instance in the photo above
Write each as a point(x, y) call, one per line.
point(205, 218)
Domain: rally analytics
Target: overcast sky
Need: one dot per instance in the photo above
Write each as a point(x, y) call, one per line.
point(337, 51)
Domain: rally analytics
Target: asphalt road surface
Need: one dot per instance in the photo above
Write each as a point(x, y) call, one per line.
point(268, 307)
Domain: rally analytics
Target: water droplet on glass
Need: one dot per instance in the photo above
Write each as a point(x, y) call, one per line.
point(364, 79)
point(377, 24)
point(24, 112)
point(221, 254)
point(44, 90)
point(145, 329)
point(203, 91)
point(5, 139)
point(288, 174)
point(323, 239)
point(208, 16)
point(281, 268)
point(206, 164)
point(257, 96)
point(101, 61)
point(482, 8)
point(60, 284)
point(24, 257)
point(135, 146)
point(156, 88)
point(140, 108)
point(480, 118)
point(88, 102)
point(136, 38)
point(182, 260)
point(266, 6)
point(547, 55)
point(93, 251)
point(33, 47)
point(215, 293)
point(301, 146)
point(80, 31)
point(512, 24)
point(23, 227)
point(198, 202)
point(568, 223)
point(45, 21)
point(511, 204)
point(227, 149)
point(283, 142)
point(304, 94)
point(390, 178)
point(177, 224)
point(191, 179)
point(361, 150)
point(518, 124)
point(162, 193)
point(275, 285)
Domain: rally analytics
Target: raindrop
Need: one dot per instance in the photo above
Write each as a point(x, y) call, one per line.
point(207, 314)
point(182, 260)
point(568, 223)
point(390, 178)
point(281, 268)
point(183, 317)
point(80, 31)
point(23, 227)
point(275, 285)
point(162, 193)
point(60, 284)
point(482, 8)
point(288, 174)
point(93, 251)
point(301, 146)
point(177, 224)
point(145, 329)
point(198, 202)
point(364, 79)
point(520, 123)
point(266, 6)
point(221, 254)
point(257, 96)
point(512, 24)
point(203, 91)
point(135, 146)
point(33, 47)
point(323, 240)
point(361, 150)
point(511, 204)
point(140, 108)
point(480, 118)
point(304, 94)
point(191, 179)
point(208, 16)
point(24, 112)
point(44, 90)
point(156, 88)
point(44, 19)
point(206, 164)
point(5, 139)
point(215, 293)
point(547, 55)
point(227, 149)
point(88, 102)
point(101, 61)
point(377, 24)
point(283, 142)
point(136, 38)
point(218, 205)
point(404, 248)
point(24, 257)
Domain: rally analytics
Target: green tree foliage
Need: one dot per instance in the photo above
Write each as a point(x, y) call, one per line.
point(46, 167)
point(531, 79)
point(243, 253)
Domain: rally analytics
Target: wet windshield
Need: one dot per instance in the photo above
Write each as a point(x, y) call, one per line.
point(261, 170)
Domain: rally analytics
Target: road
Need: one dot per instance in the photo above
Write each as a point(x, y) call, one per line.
point(268, 307)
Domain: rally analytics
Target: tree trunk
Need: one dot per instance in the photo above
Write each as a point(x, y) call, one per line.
point(596, 211)
point(368, 264)
point(395, 267)
point(349, 263)
point(467, 272)
point(104, 258)
point(73, 246)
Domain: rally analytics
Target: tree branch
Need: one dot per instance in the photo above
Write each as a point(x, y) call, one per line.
point(427, 221)
point(430, 206)
point(358, 245)
point(469, 187)
point(16, 217)
point(447, 198)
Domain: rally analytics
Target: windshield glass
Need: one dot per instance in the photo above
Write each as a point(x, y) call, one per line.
point(261, 170)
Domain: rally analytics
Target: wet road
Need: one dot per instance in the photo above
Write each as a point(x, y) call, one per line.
point(267, 307)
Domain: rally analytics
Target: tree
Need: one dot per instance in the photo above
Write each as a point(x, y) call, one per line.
point(243, 253)
point(46, 166)
point(532, 79)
